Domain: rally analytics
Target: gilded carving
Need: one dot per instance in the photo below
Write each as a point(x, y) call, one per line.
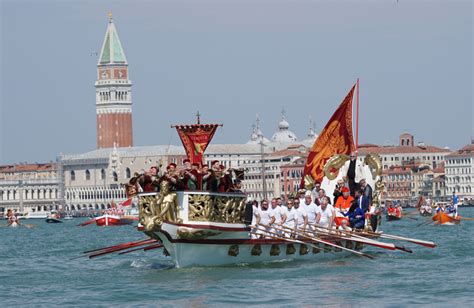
point(256, 250)
point(215, 208)
point(332, 166)
point(233, 250)
point(290, 249)
point(155, 209)
point(275, 250)
point(303, 249)
point(190, 233)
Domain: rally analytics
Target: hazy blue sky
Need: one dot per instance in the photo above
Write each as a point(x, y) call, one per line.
point(231, 60)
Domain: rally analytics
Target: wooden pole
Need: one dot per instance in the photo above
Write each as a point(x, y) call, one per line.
point(357, 115)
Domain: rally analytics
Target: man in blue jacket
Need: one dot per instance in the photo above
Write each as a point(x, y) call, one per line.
point(361, 200)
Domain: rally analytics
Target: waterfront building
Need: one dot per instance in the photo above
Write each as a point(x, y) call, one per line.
point(273, 186)
point(398, 183)
point(460, 172)
point(29, 188)
point(406, 152)
point(113, 93)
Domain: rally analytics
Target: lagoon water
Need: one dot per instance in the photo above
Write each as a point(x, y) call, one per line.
point(36, 270)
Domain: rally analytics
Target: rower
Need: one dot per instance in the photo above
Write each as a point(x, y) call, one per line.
point(279, 214)
point(288, 220)
point(310, 208)
point(301, 217)
point(325, 216)
point(264, 217)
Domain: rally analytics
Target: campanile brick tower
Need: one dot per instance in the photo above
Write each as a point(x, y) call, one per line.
point(113, 94)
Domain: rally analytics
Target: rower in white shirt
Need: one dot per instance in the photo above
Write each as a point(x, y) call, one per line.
point(301, 217)
point(310, 208)
point(325, 215)
point(278, 213)
point(265, 218)
point(288, 220)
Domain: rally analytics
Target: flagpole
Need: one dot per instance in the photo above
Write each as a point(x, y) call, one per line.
point(357, 116)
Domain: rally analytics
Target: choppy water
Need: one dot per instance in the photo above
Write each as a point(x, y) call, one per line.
point(35, 269)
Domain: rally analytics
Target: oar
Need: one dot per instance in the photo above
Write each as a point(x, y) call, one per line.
point(119, 245)
point(101, 253)
point(86, 223)
point(426, 223)
point(364, 240)
point(328, 243)
point(464, 218)
point(412, 218)
point(389, 236)
point(279, 237)
point(140, 248)
point(411, 240)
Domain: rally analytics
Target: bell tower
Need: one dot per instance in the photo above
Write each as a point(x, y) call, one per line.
point(113, 93)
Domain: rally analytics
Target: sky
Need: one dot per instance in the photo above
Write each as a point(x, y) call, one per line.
point(232, 60)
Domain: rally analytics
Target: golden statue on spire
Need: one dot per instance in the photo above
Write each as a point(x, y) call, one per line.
point(109, 14)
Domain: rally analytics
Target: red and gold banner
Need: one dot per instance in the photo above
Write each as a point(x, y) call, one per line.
point(335, 138)
point(195, 139)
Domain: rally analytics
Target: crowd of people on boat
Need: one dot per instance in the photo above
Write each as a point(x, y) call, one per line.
point(190, 176)
point(348, 209)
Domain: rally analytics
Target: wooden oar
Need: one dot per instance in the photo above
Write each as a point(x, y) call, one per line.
point(411, 240)
point(101, 253)
point(279, 237)
point(367, 241)
point(140, 248)
point(426, 223)
point(326, 242)
point(465, 218)
point(120, 245)
point(389, 236)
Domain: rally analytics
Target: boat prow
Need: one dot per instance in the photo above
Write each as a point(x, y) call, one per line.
point(442, 218)
point(13, 224)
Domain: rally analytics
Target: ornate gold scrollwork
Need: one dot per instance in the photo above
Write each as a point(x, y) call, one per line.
point(233, 250)
point(308, 182)
point(215, 208)
point(190, 233)
point(332, 166)
point(375, 164)
point(155, 209)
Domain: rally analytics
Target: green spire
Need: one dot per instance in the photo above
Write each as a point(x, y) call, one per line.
point(112, 51)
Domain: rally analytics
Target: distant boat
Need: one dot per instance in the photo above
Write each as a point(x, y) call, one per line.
point(114, 220)
point(442, 218)
point(36, 215)
point(394, 213)
point(53, 217)
point(68, 217)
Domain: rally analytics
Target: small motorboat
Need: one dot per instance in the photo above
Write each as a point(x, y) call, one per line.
point(442, 218)
point(68, 217)
point(53, 218)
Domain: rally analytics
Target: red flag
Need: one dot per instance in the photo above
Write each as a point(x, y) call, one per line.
point(195, 139)
point(336, 138)
point(127, 202)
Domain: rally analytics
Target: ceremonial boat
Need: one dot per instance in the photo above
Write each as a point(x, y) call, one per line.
point(208, 228)
point(442, 218)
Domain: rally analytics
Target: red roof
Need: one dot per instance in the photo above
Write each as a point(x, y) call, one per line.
point(369, 149)
point(27, 167)
point(467, 150)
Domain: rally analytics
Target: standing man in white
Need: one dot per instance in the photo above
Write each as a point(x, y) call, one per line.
point(352, 172)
